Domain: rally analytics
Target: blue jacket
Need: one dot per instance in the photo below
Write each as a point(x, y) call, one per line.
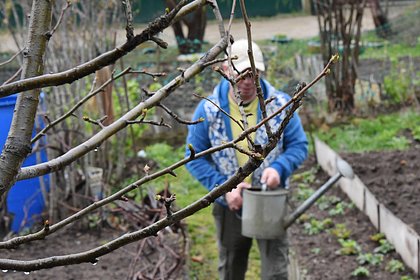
point(214, 169)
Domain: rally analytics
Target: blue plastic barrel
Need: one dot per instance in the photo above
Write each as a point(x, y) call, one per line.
point(25, 201)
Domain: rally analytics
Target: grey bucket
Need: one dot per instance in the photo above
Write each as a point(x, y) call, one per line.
point(263, 213)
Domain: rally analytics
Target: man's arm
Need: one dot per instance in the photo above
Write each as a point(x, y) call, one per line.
point(295, 149)
point(202, 168)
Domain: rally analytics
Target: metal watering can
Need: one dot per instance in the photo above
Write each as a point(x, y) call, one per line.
point(264, 213)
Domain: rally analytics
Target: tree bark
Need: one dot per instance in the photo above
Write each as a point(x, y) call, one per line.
point(17, 146)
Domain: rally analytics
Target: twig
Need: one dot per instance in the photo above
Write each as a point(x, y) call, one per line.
point(161, 123)
point(227, 114)
point(78, 104)
point(192, 151)
point(154, 75)
point(167, 202)
point(221, 110)
point(232, 70)
point(159, 42)
point(98, 122)
point(218, 60)
point(219, 18)
point(63, 10)
point(253, 68)
point(14, 76)
point(248, 153)
point(129, 16)
point(177, 118)
point(11, 59)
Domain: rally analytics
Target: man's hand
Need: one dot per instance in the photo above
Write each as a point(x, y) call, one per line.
point(234, 197)
point(271, 177)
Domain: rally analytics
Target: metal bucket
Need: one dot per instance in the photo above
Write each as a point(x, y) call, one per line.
point(263, 213)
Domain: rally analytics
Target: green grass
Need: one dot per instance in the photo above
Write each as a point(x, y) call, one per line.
point(382, 133)
point(391, 51)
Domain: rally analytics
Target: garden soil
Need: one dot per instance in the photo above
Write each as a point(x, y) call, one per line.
point(394, 178)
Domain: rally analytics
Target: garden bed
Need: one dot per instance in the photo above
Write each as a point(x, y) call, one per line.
point(394, 179)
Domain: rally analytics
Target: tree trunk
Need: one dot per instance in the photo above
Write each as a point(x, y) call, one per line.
point(380, 19)
point(17, 145)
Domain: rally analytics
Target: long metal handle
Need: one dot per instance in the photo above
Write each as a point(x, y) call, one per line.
point(344, 170)
point(310, 201)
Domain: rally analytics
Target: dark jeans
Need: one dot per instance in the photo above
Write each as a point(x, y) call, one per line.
point(234, 249)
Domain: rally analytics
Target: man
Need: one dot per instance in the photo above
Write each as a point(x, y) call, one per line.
point(214, 169)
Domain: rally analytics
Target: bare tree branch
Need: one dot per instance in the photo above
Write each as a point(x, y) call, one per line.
point(11, 59)
point(255, 74)
point(120, 194)
point(253, 162)
point(129, 28)
point(96, 140)
point(60, 18)
point(78, 104)
point(91, 66)
point(176, 117)
point(18, 72)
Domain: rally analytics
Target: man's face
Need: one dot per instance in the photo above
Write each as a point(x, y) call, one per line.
point(247, 88)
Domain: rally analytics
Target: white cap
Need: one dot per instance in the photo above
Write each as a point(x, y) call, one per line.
point(240, 49)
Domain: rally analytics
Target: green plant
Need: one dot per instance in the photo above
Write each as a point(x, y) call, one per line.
point(340, 208)
point(325, 202)
point(397, 83)
point(378, 236)
point(315, 226)
point(384, 247)
point(406, 277)
point(307, 177)
point(394, 266)
point(341, 231)
point(360, 272)
point(304, 218)
point(303, 192)
point(369, 258)
point(349, 247)
point(94, 220)
point(316, 251)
